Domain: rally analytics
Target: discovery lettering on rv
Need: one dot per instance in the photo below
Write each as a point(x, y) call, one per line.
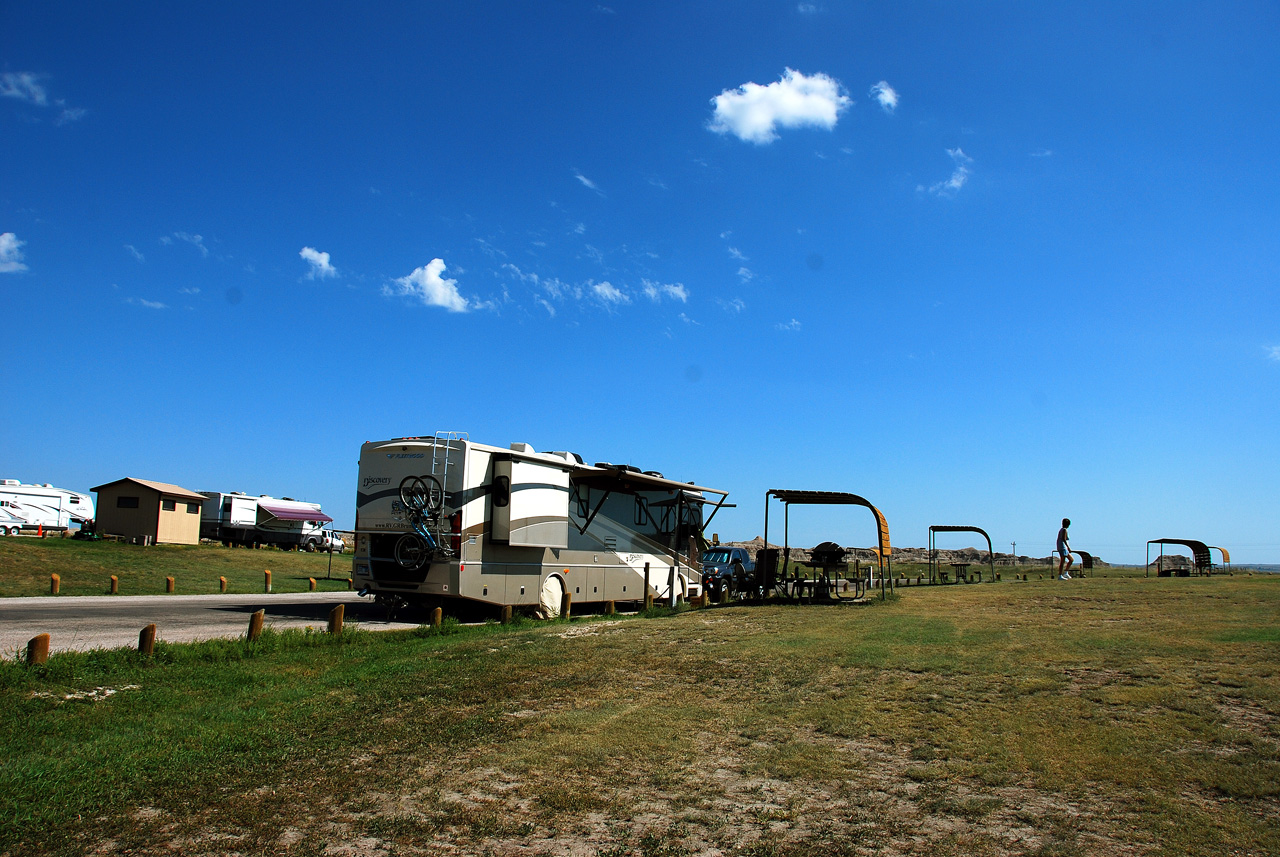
point(376, 480)
point(406, 455)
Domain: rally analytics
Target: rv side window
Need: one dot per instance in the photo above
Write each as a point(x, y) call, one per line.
point(169, 505)
point(73, 498)
point(502, 491)
point(126, 502)
point(582, 494)
point(642, 510)
point(193, 508)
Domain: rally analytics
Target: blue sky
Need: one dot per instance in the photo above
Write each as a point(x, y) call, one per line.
point(986, 264)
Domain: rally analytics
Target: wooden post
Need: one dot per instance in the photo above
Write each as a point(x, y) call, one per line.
point(267, 580)
point(222, 584)
point(115, 585)
point(55, 583)
point(506, 613)
point(335, 619)
point(724, 594)
point(350, 583)
point(437, 617)
point(566, 605)
point(147, 640)
point(255, 624)
point(38, 649)
point(671, 587)
point(312, 581)
point(610, 608)
point(168, 585)
point(648, 592)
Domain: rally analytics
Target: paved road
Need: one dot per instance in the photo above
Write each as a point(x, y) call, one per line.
point(93, 622)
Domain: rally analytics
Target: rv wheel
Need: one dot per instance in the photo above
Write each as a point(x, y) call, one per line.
point(551, 598)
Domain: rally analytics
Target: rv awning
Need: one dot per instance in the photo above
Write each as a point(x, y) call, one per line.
point(290, 513)
point(617, 479)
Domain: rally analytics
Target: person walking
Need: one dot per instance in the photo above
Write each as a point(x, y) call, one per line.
point(1064, 552)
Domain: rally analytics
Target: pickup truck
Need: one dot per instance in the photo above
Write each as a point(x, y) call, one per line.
point(727, 569)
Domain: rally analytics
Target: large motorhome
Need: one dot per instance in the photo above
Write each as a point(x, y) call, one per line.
point(242, 519)
point(41, 507)
point(441, 518)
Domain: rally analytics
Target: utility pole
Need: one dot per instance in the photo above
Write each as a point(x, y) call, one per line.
point(1014, 545)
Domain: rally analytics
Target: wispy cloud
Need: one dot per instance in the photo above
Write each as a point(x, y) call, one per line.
point(1042, 153)
point(657, 291)
point(886, 95)
point(24, 86)
point(188, 290)
point(586, 182)
point(135, 252)
point(1273, 352)
point(27, 86)
point(745, 274)
point(807, 9)
point(959, 175)
point(737, 254)
point(426, 285)
point(735, 306)
point(196, 241)
point(788, 325)
point(319, 267)
point(752, 112)
point(143, 302)
point(11, 254)
point(688, 320)
point(610, 294)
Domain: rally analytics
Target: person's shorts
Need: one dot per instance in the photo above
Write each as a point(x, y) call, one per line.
point(1063, 552)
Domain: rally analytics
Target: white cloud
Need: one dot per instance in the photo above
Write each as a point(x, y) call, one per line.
point(579, 228)
point(1273, 352)
point(737, 254)
point(587, 182)
point(735, 305)
point(959, 175)
point(146, 303)
point(69, 114)
point(788, 325)
point(135, 252)
point(744, 274)
point(24, 86)
point(546, 304)
point(886, 95)
point(609, 293)
point(196, 241)
point(428, 286)
point(1042, 153)
point(11, 254)
point(807, 9)
point(319, 262)
point(752, 112)
point(657, 291)
point(688, 320)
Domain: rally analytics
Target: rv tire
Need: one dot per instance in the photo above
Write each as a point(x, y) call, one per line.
point(550, 598)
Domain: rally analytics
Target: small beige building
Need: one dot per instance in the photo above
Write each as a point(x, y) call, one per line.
point(140, 509)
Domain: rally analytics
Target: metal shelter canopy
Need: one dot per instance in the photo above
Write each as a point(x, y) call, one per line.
point(1086, 559)
point(1199, 550)
point(955, 528)
point(884, 550)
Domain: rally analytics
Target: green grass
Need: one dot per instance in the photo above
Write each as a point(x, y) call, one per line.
point(1108, 716)
point(85, 568)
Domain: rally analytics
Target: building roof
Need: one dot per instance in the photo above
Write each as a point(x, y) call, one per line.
point(161, 487)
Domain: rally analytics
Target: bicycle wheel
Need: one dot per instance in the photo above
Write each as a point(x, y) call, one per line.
point(421, 494)
point(411, 552)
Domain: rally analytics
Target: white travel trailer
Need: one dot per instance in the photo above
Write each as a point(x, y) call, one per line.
point(441, 518)
point(243, 519)
point(41, 506)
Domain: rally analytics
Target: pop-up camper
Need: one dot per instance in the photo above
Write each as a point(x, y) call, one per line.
point(441, 518)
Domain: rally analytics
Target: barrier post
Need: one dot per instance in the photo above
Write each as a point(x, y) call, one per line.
point(671, 588)
point(38, 649)
point(115, 585)
point(506, 613)
point(168, 585)
point(55, 583)
point(566, 605)
point(335, 619)
point(266, 575)
point(312, 582)
point(437, 617)
point(350, 583)
point(147, 640)
point(610, 608)
point(648, 592)
point(255, 624)
point(222, 584)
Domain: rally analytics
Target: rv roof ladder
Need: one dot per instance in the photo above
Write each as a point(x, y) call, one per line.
point(440, 446)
